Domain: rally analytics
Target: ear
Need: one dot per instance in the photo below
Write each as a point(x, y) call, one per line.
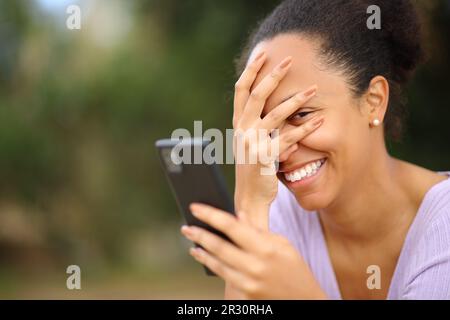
point(377, 99)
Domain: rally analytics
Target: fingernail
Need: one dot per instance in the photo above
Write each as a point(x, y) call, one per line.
point(193, 206)
point(196, 209)
point(259, 56)
point(185, 229)
point(194, 251)
point(194, 213)
point(317, 121)
point(311, 91)
point(286, 63)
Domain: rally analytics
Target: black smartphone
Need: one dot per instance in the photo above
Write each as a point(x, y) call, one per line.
point(194, 180)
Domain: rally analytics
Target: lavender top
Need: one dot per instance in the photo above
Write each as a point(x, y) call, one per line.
point(423, 268)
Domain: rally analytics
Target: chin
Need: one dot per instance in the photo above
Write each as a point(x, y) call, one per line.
point(312, 202)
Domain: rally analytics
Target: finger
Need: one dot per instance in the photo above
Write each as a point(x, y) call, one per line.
point(243, 85)
point(283, 141)
point(259, 95)
point(285, 155)
point(242, 234)
point(220, 248)
point(279, 114)
point(234, 277)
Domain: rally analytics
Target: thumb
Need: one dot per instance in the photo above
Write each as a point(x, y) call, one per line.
point(242, 216)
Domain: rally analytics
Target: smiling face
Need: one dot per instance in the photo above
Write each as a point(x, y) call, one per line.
point(343, 143)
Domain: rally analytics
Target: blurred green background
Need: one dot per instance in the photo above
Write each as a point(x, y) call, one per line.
point(80, 110)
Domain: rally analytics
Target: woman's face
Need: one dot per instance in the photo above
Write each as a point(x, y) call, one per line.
point(344, 139)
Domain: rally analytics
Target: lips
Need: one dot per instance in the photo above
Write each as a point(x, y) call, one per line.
point(308, 170)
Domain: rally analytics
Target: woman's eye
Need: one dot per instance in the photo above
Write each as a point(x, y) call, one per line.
point(300, 115)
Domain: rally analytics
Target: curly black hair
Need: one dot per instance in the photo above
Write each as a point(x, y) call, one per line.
point(394, 51)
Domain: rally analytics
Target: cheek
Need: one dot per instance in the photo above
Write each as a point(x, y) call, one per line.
point(342, 139)
point(327, 138)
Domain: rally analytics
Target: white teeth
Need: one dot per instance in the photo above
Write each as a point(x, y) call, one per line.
point(303, 173)
point(306, 171)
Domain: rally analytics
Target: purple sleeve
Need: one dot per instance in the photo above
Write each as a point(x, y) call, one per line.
point(275, 216)
point(429, 271)
point(288, 219)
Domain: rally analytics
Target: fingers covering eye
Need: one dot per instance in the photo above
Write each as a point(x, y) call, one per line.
point(287, 139)
point(279, 114)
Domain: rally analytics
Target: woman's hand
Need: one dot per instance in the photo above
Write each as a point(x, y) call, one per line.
point(259, 265)
point(256, 181)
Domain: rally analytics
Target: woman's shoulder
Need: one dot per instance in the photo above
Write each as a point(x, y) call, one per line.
point(436, 203)
point(431, 226)
point(431, 191)
point(418, 181)
point(425, 258)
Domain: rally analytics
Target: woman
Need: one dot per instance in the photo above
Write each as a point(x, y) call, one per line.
point(347, 221)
